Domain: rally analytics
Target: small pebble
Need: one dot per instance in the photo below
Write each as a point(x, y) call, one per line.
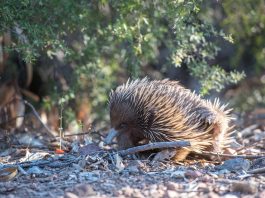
point(213, 195)
point(138, 194)
point(83, 190)
point(70, 195)
point(153, 187)
point(235, 165)
point(244, 187)
point(193, 174)
point(172, 186)
point(262, 194)
point(230, 196)
point(128, 191)
point(171, 194)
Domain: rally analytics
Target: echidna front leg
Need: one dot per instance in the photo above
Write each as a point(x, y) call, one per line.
point(181, 154)
point(128, 139)
point(125, 141)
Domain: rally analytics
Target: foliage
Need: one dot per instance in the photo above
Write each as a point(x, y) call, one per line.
point(247, 25)
point(101, 39)
point(249, 99)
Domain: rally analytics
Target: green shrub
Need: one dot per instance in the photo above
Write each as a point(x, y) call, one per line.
point(247, 25)
point(102, 39)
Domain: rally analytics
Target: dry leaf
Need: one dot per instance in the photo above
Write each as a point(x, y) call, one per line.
point(118, 163)
point(89, 149)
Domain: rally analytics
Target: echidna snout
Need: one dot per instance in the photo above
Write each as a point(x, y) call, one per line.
point(125, 127)
point(143, 110)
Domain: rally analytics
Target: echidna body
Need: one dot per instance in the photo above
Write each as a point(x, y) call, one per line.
point(143, 110)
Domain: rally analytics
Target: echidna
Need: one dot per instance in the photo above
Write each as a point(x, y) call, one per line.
point(163, 110)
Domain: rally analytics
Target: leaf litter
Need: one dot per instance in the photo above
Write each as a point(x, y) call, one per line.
point(93, 170)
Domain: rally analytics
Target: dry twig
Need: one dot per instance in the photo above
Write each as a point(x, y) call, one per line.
point(231, 156)
point(75, 134)
point(156, 145)
point(257, 171)
point(55, 163)
point(38, 117)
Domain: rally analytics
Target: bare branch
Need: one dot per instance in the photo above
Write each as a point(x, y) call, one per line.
point(230, 156)
point(38, 117)
point(257, 171)
point(155, 145)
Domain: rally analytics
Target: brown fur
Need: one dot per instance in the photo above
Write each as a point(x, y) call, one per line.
point(166, 111)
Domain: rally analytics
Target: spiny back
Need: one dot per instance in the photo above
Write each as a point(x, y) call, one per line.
point(166, 111)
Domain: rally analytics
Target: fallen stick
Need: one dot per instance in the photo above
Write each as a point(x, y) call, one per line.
point(54, 163)
point(39, 118)
point(155, 145)
point(75, 134)
point(257, 171)
point(230, 156)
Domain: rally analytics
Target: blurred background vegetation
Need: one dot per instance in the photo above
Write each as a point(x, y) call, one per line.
point(80, 50)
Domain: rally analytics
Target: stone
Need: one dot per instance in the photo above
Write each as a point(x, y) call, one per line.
point(244, 187)
point(171, 194)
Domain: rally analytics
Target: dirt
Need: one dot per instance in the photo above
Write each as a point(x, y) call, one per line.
point(92, 170)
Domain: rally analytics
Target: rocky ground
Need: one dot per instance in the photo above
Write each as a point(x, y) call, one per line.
point(72, 176)
point(32, 169)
